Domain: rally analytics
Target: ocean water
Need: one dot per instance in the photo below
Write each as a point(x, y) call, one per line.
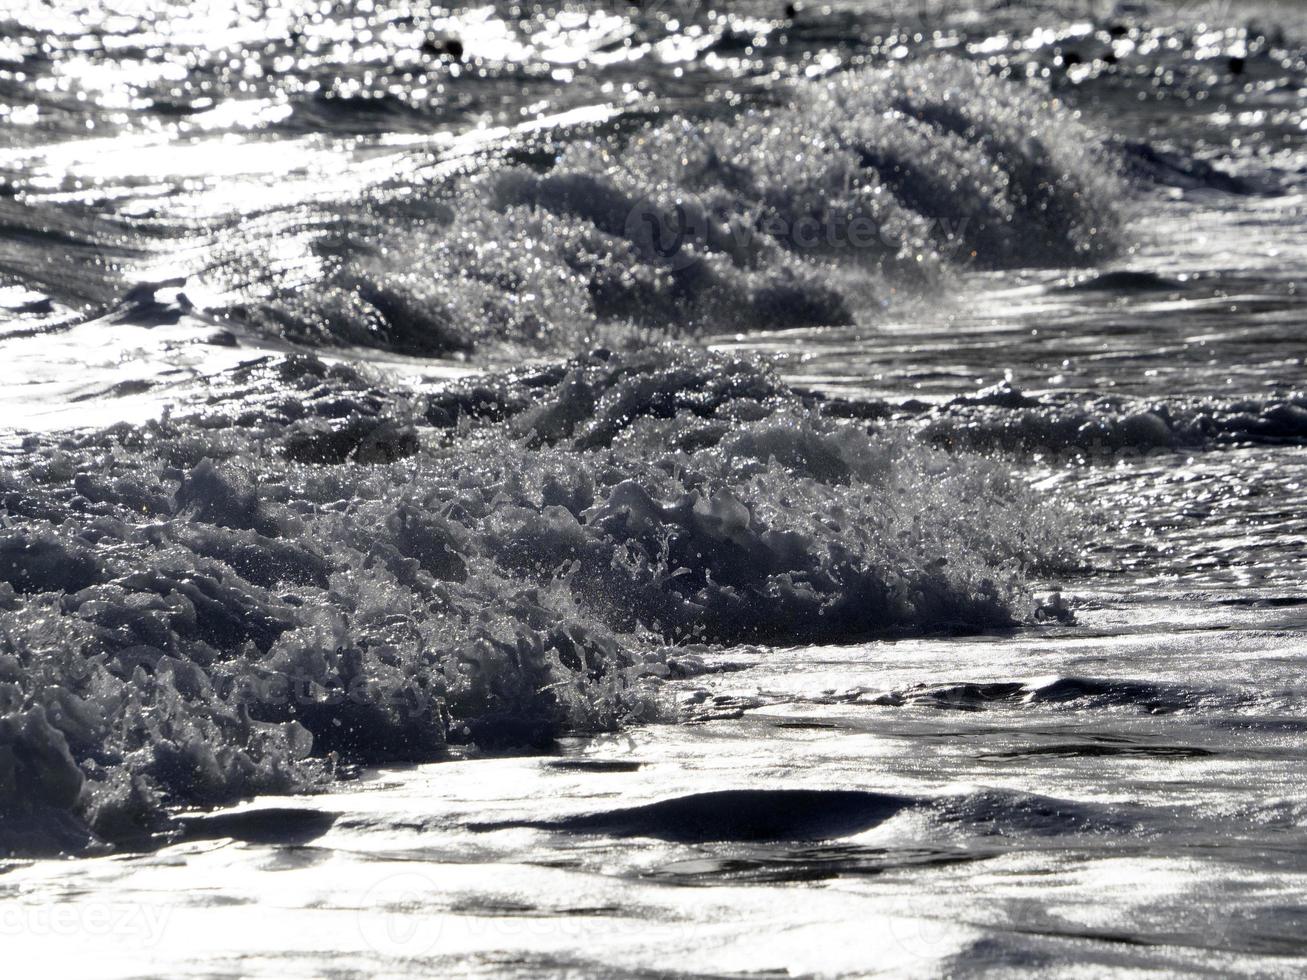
point(662, 489)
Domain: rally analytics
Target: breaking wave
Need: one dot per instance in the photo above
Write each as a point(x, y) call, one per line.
point(1006, 419)
point(315, 572)
point(853, 194)
point(1152, 697)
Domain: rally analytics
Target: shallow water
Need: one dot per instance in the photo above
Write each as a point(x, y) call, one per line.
point(1115, 793)
point(1027, 804)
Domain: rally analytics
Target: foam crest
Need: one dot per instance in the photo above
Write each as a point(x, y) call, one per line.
point(318, 571)
point(852, 194)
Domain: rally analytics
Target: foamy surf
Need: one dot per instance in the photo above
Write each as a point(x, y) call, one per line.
point(374, 577)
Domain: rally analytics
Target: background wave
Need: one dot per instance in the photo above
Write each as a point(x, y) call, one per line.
point(818, 212)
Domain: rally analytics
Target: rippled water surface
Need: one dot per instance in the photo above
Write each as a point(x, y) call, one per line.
point(770, 604)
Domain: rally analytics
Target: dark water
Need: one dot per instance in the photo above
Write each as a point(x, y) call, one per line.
point(699, 491)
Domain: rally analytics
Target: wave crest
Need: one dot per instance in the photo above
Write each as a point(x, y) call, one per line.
point(855, 192)
point(317, 569)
